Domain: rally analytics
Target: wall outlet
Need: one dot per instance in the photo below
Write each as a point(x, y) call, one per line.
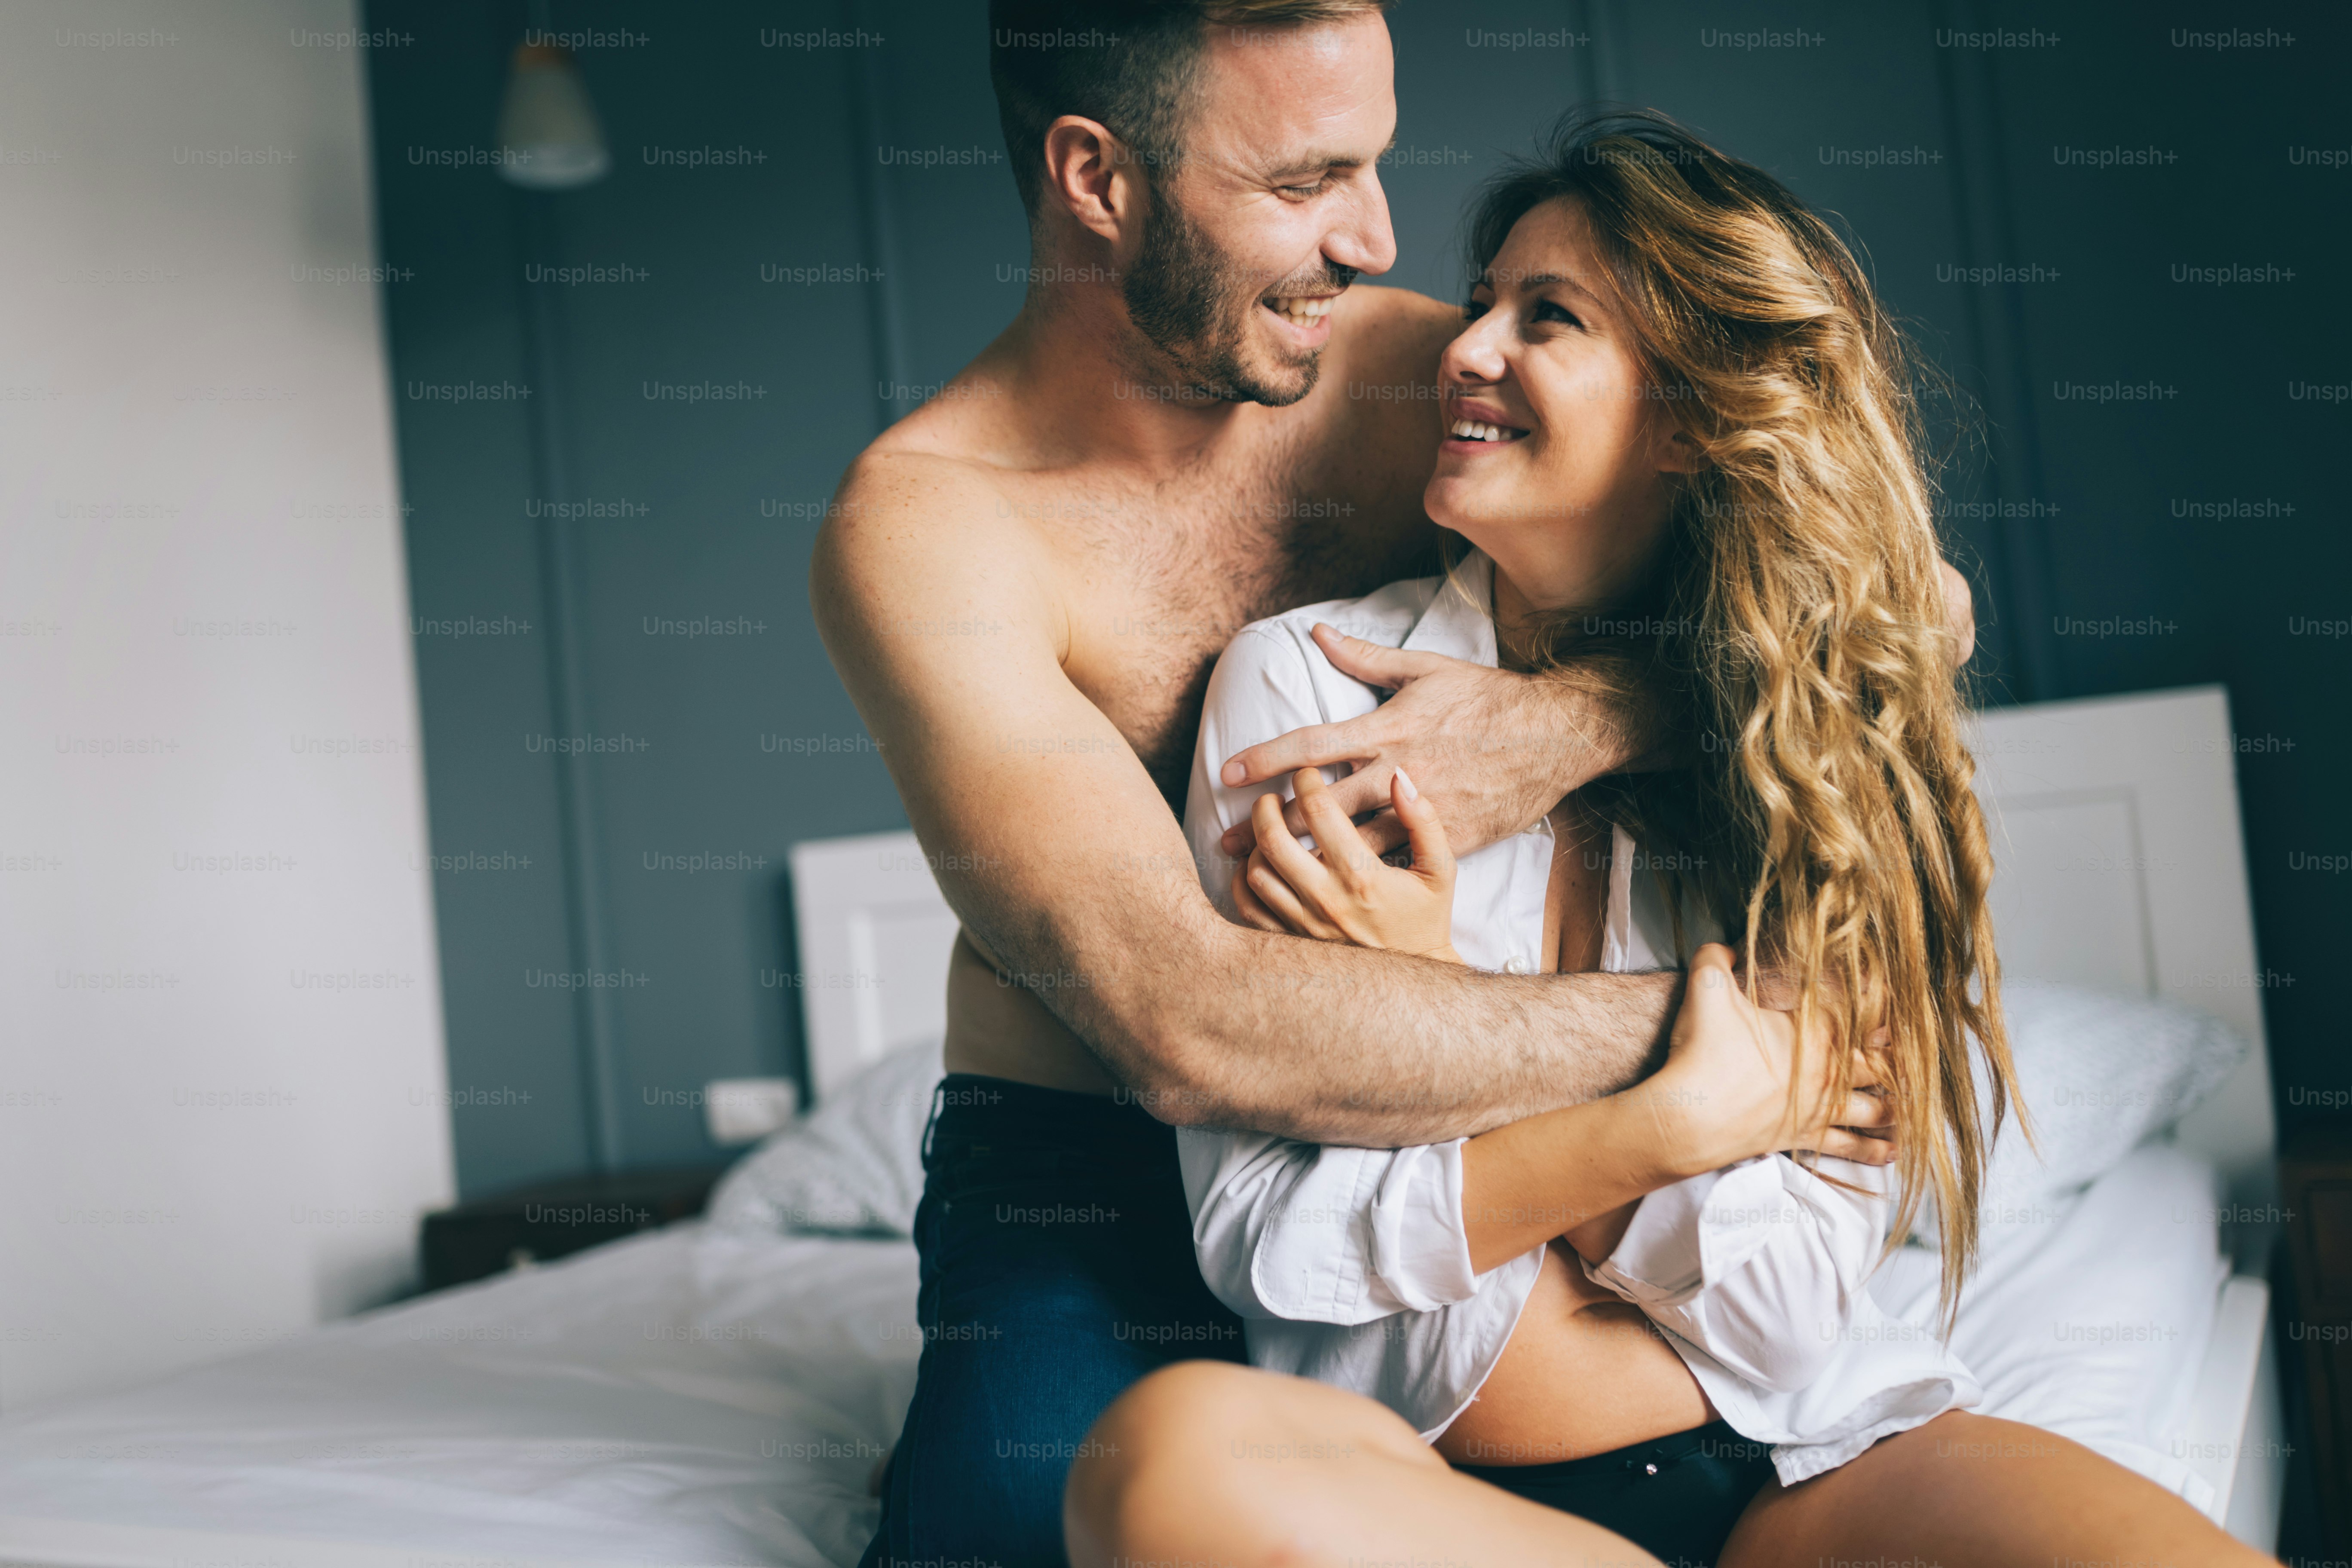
point(746, 1110)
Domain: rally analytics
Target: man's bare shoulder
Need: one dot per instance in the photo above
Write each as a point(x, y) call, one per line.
point(1399, 334)
point(911, 523)
point(895, 497)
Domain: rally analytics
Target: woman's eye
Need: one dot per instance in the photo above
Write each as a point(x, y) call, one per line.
point(1548, 312)
point(1473, 309)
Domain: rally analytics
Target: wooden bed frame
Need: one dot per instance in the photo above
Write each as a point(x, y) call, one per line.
point(2120, 865)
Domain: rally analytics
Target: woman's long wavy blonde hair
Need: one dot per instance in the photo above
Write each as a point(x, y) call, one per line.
point(1827, 815)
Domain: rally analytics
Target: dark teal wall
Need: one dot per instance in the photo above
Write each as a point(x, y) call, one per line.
point(866, 165)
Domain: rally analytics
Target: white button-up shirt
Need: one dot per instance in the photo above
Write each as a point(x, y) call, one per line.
point(1354, 1265)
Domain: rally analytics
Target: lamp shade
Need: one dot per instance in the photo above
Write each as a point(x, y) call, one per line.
point(547, 130)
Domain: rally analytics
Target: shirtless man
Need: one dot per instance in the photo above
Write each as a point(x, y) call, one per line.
point(1194, 421)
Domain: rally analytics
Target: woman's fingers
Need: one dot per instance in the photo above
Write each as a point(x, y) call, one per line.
point(1364, 790)
point(1432, 858)
point(1280, 899)
point(1712, 997)
point(1305, 874)
point(1870, 1066)
point(1251, 908)
point(1711, 982)
point(1866, 1111)
point(1839, 1143)
point(1337, 843)
point(1287, 881)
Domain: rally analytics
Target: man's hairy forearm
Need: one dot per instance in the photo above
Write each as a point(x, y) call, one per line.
point(1224, 1026)
point(1623, 712)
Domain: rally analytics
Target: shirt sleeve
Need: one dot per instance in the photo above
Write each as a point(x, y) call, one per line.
point(1762, 1264)
point(1324, 1234)
point(1287, 1229)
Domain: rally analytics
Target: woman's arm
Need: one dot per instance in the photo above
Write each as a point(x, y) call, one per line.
point(1706, 1108)
point(1756, 1261)
point(1759, 1262)
point(1577, 1171)
point(1288, 1229)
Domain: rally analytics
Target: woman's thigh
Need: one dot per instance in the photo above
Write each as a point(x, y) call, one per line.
point(1209, 1462)
point(1971, 1492)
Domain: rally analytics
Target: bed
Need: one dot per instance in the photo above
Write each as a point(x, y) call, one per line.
point(701, 1397)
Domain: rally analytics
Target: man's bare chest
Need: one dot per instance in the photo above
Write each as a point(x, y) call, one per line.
point(1152, 594)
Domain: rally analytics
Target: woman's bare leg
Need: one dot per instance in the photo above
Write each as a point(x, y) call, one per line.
point(1209, 1462)
point(1970, 1491)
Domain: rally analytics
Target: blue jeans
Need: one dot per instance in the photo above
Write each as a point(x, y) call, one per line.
point(1057, 1268)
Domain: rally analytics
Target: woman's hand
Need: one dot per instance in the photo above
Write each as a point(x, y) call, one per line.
point(1342, 891)
point(1725, 1087)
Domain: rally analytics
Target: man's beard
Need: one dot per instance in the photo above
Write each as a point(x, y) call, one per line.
point(1178, 295)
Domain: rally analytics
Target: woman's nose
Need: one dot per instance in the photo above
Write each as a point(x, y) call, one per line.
point(1477, 354)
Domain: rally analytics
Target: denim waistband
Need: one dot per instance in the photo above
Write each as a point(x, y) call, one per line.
point(970, 1109)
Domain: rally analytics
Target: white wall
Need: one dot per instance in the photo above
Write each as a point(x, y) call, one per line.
point(210, 787)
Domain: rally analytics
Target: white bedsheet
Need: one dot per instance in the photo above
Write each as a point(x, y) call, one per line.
point(694, 1398)
point(2090, 1315)
point(679, 1398)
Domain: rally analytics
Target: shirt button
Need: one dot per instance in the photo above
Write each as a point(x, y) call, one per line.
point(1516, 964)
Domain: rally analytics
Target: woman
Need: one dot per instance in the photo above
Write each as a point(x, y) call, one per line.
point(1676, 415)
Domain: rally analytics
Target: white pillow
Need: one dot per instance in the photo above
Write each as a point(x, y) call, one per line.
point(2100, 1074)
point(852, 1164)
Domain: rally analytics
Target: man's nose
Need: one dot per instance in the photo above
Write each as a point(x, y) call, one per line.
point(1366, 241)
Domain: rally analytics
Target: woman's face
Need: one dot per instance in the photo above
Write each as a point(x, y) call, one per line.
point(1557, 452)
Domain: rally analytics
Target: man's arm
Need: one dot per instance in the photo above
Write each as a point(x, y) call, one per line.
point(1494, 750)
point(1058, 853)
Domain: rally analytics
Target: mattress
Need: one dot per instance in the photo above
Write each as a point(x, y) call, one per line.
point(697, 1397)
point(2090, 1315)
point(684, 1397)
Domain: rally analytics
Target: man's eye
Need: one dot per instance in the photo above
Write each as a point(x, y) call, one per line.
point(1302, 193)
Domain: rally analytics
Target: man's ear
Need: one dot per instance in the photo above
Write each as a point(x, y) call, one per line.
point(1090, 172)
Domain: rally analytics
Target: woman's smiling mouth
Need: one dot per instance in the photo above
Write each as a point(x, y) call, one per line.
point(1474, 423)
point(1478, 430)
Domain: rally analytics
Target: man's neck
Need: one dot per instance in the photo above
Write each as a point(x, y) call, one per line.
point(1095, 390)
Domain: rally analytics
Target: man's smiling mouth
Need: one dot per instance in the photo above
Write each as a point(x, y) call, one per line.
point(1301, 311)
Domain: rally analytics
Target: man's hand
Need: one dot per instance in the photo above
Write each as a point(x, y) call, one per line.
point(1494, 750)
point(1491, 750)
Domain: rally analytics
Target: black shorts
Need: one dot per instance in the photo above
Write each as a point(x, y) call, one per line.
point(1675, 1497)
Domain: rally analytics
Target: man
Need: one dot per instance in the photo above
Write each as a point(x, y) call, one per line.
point(1024, 585)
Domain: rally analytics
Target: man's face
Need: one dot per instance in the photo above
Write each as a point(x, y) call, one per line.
point(1273, 210)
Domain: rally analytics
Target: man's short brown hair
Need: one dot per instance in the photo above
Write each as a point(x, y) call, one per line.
point(1128, 64)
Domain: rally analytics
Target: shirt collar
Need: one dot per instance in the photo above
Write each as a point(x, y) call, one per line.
point(1460, 621)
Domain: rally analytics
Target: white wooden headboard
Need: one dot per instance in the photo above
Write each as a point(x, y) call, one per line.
point(2120, 865)
point(873, 939)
